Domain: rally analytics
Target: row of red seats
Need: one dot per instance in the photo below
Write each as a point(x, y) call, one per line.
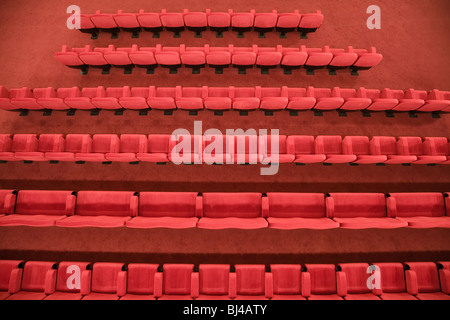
point(241, 57)
point(212, 149)
point(224, 98)
point(66, 280)
point(180, 210)
point(198, 21)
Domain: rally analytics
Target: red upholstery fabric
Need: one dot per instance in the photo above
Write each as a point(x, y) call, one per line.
point(7, 201)
point(323, 282)
point(427, 277)
point(166, 210)
point(331, 146)
point(140, 281)
point(214, 282)
point(68, 281)
point(157, 150)
point(382, 145)
point(356, 282)
point(286, 282)
point(298, 211)
point(304, 149)
point(46, 143)
point(393, 284)
point(35, 280)
point(102, 209)
point(360, 146)
point(101, 145)
point(104, 281)
point(177, 282)
point(40, 208)
point(361, 211)
point(74, 144)
point(232, 210)
point(250, 282)
point(419, 210)
point(6, 269)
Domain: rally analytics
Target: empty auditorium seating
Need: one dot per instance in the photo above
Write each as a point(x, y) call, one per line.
point(297, 211)
point(38, 280)
point(129, 146)
point(177, 282)
point(104, 209)
point(360, 147)
point(101, 283)
point(46, 143)
point(331, 147)
point(274, 152)
point(177, 210)
point(436, 100)
point(304, 149)
point(319, 282)
point(68, 281)
point(382, 145)
point(360, 211)
point(422, 280)
point(75, 144)
point(157, 149)
point(199, 21)
point(232, 210)
point(352, 282)
point(413, 146)
point(212, 98)
point(240, 57)
point(102, 144)
point(35, 281)
point(252, 282)
point(392, 282)
point(18, 143)
point(419, 210)
point(140, 281)
point(7, 201)
point(287, 282)
point(9, 270)
point(40, 208)
point(215, 282)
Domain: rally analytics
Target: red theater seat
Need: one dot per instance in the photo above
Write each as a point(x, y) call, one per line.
point(74, 144)
point(367, 59)
point(380, 100)
point(437, 146)
point(218, 20)
point(382, 145)
point(436, 100)
point(46, 143)
point(288, 211)
point(126, 20)
point(310, 21)
point(191, 98)
point(245, 148)
point(319, 282)
point(185, 149)
point(318, 57)
point(343, 58)
point(135, 99)
point(69, 57)
point(360, 211)
point(7, 201)
point(304, 149)
point(218, 56)
point(195, 20)
point(175, 210)
point(408, 100)
point(274, 153)
point(40, 208)
point(294, 57)
point(422, 280)
point(218, 98)
point(104, 209)
point(252, 282)
point(215, 149)
point(300, 98)
point(286, 282)
point(103, 20)
point(56, 99)
point(331, 146)
point(101, 145)
point(148, 20)
point(84, 101)
point(289, 20)
point(265, 20)
point(192, 56)
point(141, 282)
point(232, 210)
point(25, 98)
point(93, 57)
point(177, 282)
point(157, 149)
point(269, 57)
point(392, 281)
point(163, 98)
point(101, 283)
point(419, 209)
point(242, 20)
point(271, 98)
point(171, 19)
point(109, 99)
point(414, 146)
point(352, 282)
point(143, 56)
point(244, 98)
point(327, 99)
point(360, 146)
point(244, 56)
point(130, 146)
point(117, 57)
point(68, 281)
point(215, 282)
point(7, 269)
point(168, 56)
point(20, 143)
point(351, 99)
point(38, 280)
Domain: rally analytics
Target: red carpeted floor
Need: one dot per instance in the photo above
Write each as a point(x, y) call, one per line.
point(415, 44)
